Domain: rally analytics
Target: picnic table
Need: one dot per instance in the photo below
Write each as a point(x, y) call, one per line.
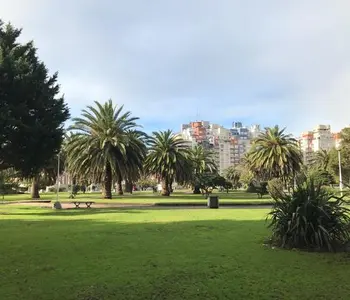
point(87, 203)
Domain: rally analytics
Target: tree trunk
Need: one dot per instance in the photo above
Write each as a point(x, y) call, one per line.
point(107, 182)
point(165, 187)
point(171, 181)
point(120, 187)
point(35, 188)
point(170, 188)
point(196, 190)
point(128, 186)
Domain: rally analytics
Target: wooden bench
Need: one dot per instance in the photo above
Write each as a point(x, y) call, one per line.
point(87, 203)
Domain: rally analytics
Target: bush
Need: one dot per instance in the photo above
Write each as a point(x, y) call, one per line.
point(54, 189)
point(75, 189)
point(310, 218)
point(260, 188)
point(320, 176)
point(275, 188)
point(8, 188)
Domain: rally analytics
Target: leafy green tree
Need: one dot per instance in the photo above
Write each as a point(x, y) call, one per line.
point(275, 154)
point(168, 159)
point(202, 161)
point(258, 187)
point(7, 181)
point(31, 112)
point(102, 141)
point(145, 182)
point(209, 181)
point(227, 186)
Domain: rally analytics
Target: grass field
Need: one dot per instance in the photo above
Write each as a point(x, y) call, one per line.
point(147, 197)
point(157, 254)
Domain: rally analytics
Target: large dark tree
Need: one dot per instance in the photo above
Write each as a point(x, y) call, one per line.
point(31, 112)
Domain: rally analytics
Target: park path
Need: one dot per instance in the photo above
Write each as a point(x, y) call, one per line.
point(132, 206)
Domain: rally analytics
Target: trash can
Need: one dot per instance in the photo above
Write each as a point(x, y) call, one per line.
point(213, 202)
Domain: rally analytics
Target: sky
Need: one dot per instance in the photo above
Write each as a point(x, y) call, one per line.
point(174, 61)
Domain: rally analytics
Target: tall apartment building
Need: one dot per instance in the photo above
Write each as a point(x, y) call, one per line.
point(228, 144)
point(321, 138)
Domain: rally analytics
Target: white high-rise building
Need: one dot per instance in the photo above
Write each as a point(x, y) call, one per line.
point(228, 145)
point(321, 138)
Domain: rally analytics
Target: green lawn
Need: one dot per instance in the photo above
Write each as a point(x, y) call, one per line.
point(149, 198)
point(156, 254)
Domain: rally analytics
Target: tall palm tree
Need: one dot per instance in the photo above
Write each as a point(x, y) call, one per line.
point(101, 143)
point(275, 154)
point(168, 158)
point(202, 161)
point(131, 169)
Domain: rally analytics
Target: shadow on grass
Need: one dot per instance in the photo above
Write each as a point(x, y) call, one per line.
point(191, 196)
point(33, 211)
point(108, 258)
point(70, 211)
point(176, 196)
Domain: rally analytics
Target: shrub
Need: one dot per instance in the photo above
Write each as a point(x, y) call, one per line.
point(260, 188)
point(319, 175)
point(8, 188)
point(75, 189)
point(310, 218)
point(275, 188)
point(53, 189)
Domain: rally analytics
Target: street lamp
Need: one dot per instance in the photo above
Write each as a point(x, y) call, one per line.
point(57, 204)
point(340, 175)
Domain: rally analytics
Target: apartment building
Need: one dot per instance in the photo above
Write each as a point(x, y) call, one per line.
point(320, 138)
point(228, 145)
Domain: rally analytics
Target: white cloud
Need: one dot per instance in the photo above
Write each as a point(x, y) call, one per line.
point(285, 62)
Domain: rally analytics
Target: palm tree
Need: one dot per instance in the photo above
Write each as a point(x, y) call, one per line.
point(101, 143)
point(133, 166)
point(275, 154)
point(202, 161)
point(322, 159)
point(168, 159)
point(233, 174)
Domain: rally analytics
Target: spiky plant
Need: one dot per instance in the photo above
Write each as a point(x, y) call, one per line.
point(309, 218)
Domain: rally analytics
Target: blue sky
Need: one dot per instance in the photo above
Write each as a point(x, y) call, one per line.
point(267, 62)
